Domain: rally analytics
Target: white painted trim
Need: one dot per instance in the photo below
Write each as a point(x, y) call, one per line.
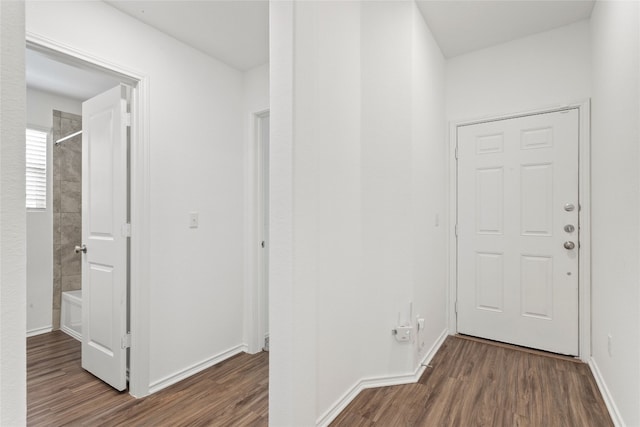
point(584, 219)
point(250, 251)
point(255, 280)
point(451, 227)
point(584, 286)
point(139, 256)
point(39, 331)
point(195, 368)
point(616, 417)
point(71, 332)
point(70, 55)
point(140, 204)
point(366, 383)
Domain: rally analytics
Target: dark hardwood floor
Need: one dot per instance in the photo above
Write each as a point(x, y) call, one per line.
point(471, 383)
point(474, 383)
point(60, 392)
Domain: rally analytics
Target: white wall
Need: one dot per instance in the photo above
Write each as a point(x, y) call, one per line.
point(195, 164)
point(616, 202)
point(429, 197)
point(547, 69)
point(40, 106)
point(287, 406)
point(360, 161)
point(13, 402)
point(256, 89)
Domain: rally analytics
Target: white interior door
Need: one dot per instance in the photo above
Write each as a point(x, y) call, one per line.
point(104, 235)
point(517, 222)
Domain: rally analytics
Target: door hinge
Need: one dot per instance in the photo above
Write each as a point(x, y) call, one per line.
point(456, 154)
point(456, 230)
point(455, 307)
point(126, 119)
point(126, 230)
point(125, 342)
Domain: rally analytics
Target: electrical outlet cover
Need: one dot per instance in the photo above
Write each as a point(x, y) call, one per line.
point(403, 333)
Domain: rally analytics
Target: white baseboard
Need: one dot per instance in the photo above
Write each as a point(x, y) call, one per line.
point(39, 331)
point(194, 369)
point(606, 394)
point(71, 332)
point(363, 384)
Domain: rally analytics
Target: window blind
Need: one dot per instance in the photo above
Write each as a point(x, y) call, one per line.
point(36, 166)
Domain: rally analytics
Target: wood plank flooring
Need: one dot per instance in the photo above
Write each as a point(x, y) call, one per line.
point(60, 392)
point(474, 383)
point(470, 383)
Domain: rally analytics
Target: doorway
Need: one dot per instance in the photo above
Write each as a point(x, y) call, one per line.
point(263, 142)
point(520, 229)
point(258, 237)
point(60, 59)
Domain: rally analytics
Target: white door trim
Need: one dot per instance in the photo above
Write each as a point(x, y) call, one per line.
point(139, 198)
point(255, 280)
point(584, 287)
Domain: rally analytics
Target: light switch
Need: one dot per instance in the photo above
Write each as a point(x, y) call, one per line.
point(193, 220)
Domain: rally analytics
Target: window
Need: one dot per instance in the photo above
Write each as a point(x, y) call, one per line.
point(36, 162)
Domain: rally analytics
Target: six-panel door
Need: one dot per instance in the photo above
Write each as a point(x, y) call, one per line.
point(517, 191)
point(104, 233)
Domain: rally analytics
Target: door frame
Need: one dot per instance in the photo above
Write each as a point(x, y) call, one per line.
point(139, 309)
point(584, 195)
point(255, 280)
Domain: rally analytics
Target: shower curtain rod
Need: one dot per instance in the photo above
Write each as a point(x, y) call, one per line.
point(68, 137)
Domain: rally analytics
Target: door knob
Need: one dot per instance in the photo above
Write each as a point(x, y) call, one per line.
point(569, 245)
point(79, 249)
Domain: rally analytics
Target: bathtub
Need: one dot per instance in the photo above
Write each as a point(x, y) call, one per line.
point(71, 314)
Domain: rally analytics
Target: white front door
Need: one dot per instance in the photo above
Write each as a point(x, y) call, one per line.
point(518, 231)
point(104, 234)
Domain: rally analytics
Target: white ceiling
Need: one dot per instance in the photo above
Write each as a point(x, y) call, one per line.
point(464, 26)
point(237, 31)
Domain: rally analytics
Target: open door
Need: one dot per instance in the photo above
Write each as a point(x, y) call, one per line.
point(105, 231)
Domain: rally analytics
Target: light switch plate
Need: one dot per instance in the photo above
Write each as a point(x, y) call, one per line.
point(194, 221)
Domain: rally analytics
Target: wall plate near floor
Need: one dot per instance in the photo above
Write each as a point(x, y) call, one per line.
point(403, 333)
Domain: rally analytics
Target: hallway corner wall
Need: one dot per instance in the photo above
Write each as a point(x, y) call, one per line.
point(615, 188)
point(13, 382)
point(360, 128)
